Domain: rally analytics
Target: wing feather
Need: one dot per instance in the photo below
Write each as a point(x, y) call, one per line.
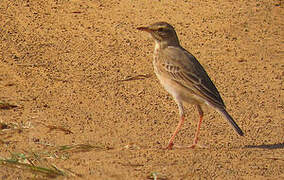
point(184, 68)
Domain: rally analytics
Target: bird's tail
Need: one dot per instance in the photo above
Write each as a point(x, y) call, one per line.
point(231, 121)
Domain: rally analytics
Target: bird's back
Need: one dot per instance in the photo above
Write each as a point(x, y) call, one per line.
point(185, 69)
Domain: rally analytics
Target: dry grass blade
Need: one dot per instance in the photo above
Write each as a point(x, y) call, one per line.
point(37, 169)
point(7, 130)
point(53, 127)
point(7, 106)
point(138, 77)
point(36, 162)
point(81, 147)
point(60, 128)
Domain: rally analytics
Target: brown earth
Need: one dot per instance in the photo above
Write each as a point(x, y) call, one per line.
point(61, 65)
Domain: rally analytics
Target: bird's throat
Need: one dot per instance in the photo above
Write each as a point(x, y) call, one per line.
point(157, 47)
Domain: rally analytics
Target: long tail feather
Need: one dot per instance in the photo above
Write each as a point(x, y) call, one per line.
point(231, 121)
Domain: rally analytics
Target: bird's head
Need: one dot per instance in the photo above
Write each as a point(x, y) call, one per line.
point(162, 33)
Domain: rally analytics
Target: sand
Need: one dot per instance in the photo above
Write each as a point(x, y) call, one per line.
point(62, 63)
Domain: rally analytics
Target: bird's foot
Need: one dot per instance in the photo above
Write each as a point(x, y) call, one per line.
point(169, 146)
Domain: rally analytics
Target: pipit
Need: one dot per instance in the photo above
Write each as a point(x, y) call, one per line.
point(184, 77)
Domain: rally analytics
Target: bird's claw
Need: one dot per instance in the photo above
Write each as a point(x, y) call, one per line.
point(170, 146)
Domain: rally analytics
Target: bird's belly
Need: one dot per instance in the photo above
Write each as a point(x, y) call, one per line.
point(179, 92)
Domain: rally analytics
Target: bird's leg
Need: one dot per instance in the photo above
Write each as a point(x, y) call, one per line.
point(198, 127)
point(181, 112)
point(171, 144)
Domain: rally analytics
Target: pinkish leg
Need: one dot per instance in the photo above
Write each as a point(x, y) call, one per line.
point(198, 127)
point(171, 141)
point(181, 112)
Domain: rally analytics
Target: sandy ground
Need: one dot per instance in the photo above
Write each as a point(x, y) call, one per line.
point(61, 64)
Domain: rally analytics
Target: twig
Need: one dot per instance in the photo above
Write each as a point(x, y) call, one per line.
point(138, 77)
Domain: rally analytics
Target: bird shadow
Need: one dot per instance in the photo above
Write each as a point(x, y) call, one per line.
point(266, 146)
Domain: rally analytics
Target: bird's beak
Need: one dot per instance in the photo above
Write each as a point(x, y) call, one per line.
point(144, 29)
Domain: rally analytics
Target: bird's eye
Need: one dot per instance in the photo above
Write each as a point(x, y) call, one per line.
point(161, 29)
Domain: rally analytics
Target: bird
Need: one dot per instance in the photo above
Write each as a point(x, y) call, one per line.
point(181, 74)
